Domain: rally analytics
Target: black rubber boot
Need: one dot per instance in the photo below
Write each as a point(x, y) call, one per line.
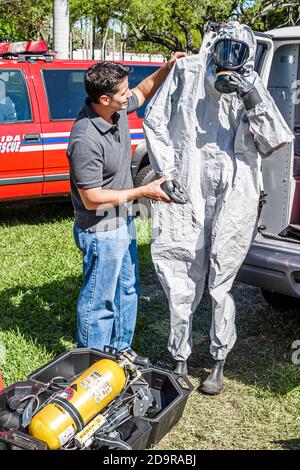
point(181, 368)
point(214, 382)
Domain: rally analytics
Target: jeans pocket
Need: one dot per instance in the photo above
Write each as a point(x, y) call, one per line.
point(80, 238)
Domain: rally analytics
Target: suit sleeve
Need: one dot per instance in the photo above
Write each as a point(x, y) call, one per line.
point(157, 123)
point(267, 124)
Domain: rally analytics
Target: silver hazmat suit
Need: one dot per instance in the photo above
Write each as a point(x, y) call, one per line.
point(213, 147)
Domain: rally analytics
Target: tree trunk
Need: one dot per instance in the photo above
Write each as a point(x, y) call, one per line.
point(113, 44)
point(86, 39)
point(82, 37)
point(90, 36)
point(71, 43)
point(103, 53)
point(94, 37)
point(61, 28)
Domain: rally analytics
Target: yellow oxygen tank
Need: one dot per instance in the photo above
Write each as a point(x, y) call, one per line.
point(75, 406)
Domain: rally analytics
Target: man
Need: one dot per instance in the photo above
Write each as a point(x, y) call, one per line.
point(102, 191)
point(207, 129)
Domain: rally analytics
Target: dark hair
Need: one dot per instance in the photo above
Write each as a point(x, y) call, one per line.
point(103, 78)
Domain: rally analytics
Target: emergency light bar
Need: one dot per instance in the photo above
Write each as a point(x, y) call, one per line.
point(23, 47)
point(4, 47)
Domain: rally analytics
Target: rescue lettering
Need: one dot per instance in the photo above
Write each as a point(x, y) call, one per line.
point(10, 143)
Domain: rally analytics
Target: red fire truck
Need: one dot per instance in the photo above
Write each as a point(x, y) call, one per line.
point(40, 97)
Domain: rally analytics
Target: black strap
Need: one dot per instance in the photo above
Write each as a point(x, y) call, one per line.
point(28, 412)
point(116, 418)
point(71, 410)
point(112, 442)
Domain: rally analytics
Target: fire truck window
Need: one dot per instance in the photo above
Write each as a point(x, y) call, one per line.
point(137, 74)
point(65, 92)
point(14, 102)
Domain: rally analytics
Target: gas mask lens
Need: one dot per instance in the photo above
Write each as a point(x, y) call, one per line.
point(230, 54)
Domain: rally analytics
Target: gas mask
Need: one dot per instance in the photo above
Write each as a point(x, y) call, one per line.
point(230, 55)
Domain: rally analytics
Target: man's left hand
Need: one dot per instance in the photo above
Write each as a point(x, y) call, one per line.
point(174, 57)
point(148, 87)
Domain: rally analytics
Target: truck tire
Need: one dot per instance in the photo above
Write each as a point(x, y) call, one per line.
point(144, 176)
point(281, 302)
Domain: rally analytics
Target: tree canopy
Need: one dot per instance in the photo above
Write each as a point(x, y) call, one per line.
point(165, 24)
point(24, 19)
point(180, 25)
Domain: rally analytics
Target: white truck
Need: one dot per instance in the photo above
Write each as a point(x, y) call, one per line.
point(273, 262)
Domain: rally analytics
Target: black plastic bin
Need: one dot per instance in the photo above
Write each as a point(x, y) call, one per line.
point(139, 434)
point(11, 399)
point(17, 439)
point(14, 437)
point(169, 390)
point(20, 440)
point(12, 434)
point(171, 393)
point(69, 365)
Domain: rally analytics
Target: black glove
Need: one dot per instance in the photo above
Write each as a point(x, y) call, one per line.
point(173, 189)
point(245, 90)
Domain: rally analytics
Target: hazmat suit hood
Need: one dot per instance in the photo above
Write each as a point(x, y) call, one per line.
point(243, 33)
point(235, 31)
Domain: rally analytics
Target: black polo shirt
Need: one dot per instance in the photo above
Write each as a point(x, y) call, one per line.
point(100, 156)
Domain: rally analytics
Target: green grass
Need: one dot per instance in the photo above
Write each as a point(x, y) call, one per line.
point(40, 277)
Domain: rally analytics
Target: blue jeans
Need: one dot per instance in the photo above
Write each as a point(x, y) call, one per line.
point(107, 303)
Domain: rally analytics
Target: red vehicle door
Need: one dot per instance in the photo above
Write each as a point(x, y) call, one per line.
point(21, 152)
point(60, 88)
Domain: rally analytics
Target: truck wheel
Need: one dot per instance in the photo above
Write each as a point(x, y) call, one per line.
point(281, 302)
point(145, 176)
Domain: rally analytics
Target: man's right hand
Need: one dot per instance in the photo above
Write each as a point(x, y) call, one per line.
point(154, 191)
